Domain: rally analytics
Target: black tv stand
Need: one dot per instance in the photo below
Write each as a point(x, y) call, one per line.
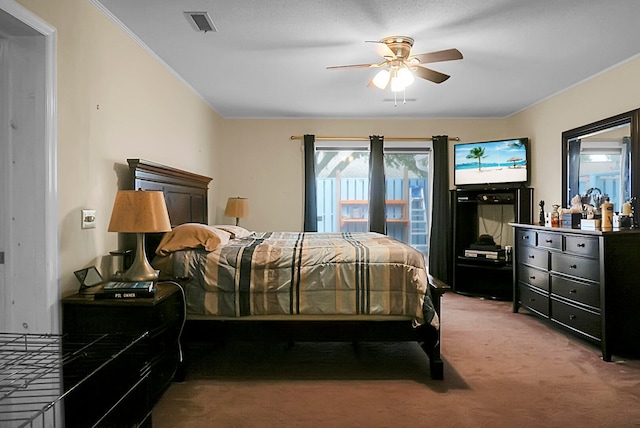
point(474, 276)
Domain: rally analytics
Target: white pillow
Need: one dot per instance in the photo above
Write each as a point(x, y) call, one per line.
point(235, 231)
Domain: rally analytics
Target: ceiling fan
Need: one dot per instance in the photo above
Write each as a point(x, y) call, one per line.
point(399, 66)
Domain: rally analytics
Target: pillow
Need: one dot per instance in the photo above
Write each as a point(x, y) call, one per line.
point(192, 235)
point(235, 231)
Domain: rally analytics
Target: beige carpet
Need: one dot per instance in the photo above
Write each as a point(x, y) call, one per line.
point(501, 370)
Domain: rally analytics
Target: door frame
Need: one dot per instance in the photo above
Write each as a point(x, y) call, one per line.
point(43, 185)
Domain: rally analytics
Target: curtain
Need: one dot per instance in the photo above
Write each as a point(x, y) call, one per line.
point(377, 191)
point(440, 237)
point(310, 202)
point(625, 167)
point(574, 173)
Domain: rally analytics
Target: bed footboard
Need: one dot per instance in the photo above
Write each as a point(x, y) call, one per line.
point(325, 331)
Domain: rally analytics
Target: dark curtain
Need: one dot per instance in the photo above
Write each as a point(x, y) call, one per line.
point(440, 235)
point(377, 191)
point(310, 201)
point(574, 173)
point(625, 167)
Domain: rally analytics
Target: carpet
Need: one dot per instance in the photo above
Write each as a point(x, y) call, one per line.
point(501, 370)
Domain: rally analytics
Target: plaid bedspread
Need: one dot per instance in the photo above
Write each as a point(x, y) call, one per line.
point(278, 273)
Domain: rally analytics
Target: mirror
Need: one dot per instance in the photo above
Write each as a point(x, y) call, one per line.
point(598, 161)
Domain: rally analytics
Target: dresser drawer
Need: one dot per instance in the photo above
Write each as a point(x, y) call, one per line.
point(534, 277)
point(550, 240)
point(526, 237)
point(533, 300)
point(582, 245)
point(586, 293)
point(533, 257)
point(584, 321)
point(579, 267)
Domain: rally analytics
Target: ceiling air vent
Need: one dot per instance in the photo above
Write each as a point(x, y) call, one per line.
point(200, 21)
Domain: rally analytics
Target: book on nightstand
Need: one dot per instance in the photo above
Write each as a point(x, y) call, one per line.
point(127, 290)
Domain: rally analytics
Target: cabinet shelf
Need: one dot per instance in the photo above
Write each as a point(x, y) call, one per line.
point(479, 276)
point(484, 263)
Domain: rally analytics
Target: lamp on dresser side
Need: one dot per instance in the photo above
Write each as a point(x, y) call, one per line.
point(237, 207)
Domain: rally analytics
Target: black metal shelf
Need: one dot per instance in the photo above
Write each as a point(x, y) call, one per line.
point(38, 371)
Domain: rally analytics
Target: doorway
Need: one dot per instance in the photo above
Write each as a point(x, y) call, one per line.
point(29, 289)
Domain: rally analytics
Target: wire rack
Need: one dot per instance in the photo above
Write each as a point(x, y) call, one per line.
point(32, 383)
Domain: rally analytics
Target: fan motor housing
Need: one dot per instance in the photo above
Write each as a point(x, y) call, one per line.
point(399, 45)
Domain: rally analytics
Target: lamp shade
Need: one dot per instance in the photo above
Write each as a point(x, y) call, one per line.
point(139, 211)
point(382, 78)
point(237, 207)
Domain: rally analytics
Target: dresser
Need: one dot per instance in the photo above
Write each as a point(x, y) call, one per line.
point(587, 282)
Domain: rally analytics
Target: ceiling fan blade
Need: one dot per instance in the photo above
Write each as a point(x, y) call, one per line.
point(382, 49)
point(445, 55)
point(380, 64)
point(353, 66)
point(432, 75)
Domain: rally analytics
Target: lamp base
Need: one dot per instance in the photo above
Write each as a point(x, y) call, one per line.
point(140, 270)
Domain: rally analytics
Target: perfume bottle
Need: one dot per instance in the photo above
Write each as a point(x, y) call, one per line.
point(607, 214)
point(555, 216)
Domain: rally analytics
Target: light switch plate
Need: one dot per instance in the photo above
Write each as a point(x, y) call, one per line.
point(88, 219)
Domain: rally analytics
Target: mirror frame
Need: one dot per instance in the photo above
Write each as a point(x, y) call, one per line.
point(633, 118)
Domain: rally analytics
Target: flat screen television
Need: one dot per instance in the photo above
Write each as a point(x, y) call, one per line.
point(500, 163)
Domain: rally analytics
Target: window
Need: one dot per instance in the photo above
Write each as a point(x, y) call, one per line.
point(342, 189)
point(601, 168)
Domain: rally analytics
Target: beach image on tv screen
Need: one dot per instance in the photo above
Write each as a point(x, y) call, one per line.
point(491, 162)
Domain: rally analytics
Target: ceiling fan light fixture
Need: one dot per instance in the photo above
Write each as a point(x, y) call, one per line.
point(400, 81)
point(381, 79)
point(405, 76)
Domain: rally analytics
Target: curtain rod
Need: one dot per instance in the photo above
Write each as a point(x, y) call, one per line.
point(300, 137)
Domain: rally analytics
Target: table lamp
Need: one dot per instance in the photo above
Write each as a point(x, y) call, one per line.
point(237, 207)
point(139, 212)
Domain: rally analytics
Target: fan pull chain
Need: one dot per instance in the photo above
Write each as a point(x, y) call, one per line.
point(395, 98)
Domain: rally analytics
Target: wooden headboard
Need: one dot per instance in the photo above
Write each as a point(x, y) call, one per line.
point(184, 192)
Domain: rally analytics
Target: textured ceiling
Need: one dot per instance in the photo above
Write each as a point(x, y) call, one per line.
point(268, 59)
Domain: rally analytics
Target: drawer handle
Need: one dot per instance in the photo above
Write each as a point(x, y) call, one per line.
point(573, 291)
point(532, 256)
point(572, 317)
point(573, 266)
point(549, 241)
point(525, 237)
point(532, 277)
point(581, 245)
point(532, 299)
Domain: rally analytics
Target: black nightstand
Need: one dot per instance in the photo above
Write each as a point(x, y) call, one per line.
point(147, 370)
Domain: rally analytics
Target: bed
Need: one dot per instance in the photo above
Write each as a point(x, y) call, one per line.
point(289, 286)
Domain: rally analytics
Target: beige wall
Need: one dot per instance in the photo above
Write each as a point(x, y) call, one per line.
point(115, 102)
point(266, 166)
point(262, 163)
point(616, 91)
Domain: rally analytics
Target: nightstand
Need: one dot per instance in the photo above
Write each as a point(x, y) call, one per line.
point(147, 370)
